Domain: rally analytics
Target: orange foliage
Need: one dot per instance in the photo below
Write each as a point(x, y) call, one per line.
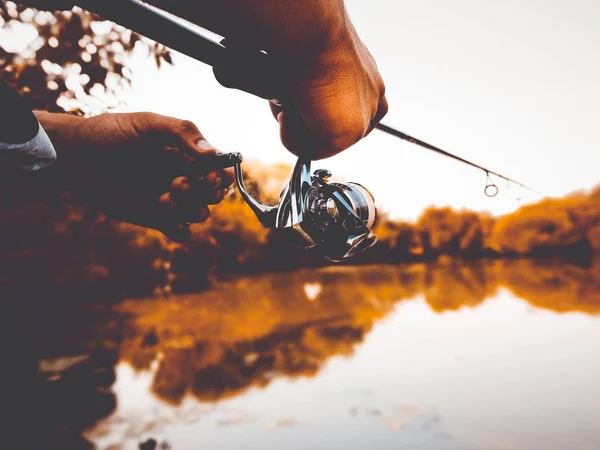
point(445, 231)
point(239, 234)
point(550, 225)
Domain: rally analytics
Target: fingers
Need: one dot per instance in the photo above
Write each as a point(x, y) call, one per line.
point(334, 101)
point(332, 133)
point(275, 110)
point(179, 146)
point(182, 147)
point(180, 212)
point(213, 181)
point(182, 135)
point(174, 222)
point(295, 134)
point(187, 202)
point(221, 179)
point(189, 195)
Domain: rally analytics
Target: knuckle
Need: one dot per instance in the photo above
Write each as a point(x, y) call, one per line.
point(142, 123)
point(340, 143)
point(148, 118)
point(384, 109)
point(148, 115)
point(180, 184)
point(348, 134)
point(165, 201)
point(382, 88)
point(186, 127)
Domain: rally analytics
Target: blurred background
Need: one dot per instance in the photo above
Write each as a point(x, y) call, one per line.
point(99, 308)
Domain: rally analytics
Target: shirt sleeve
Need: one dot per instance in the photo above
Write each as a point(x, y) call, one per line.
point(24, 145)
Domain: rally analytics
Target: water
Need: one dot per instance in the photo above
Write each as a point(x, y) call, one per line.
point(493, 356)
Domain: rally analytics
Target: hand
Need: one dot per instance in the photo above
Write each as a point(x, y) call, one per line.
point(332, 98)
point(338, 96)
point(143, 168)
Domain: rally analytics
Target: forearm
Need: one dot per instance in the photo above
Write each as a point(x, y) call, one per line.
point(62, 131)
point(283, 28)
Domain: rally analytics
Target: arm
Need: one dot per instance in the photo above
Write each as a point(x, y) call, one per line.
point(143, 168)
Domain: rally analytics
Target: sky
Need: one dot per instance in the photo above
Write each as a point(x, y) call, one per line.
point(513, 86)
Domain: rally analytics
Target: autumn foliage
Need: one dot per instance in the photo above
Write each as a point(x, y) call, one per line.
point(568, 226)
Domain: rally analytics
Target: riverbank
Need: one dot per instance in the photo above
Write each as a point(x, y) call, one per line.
point(61, 243)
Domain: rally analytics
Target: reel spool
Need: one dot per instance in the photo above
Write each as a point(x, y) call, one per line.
point(336, 218)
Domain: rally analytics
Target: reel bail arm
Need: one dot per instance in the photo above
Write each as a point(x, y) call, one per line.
point(267, 215)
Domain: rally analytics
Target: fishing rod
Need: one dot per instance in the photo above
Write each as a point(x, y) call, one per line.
point(491, 190)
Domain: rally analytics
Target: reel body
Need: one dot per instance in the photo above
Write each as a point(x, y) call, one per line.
point(335, 217)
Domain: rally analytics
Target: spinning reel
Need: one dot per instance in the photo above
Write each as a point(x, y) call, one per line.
point(336, 218)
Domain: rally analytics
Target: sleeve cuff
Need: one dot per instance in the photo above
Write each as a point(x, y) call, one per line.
point(35, 154)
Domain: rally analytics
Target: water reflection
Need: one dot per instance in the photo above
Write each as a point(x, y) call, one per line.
point(54, 385)
point(202, 349)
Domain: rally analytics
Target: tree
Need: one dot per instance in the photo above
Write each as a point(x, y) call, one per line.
point(72, 61)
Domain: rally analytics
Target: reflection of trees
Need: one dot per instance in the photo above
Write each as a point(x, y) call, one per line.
point(453, 286)
point(240, 334)
point(548, 285)
point(245, 333)
point(213, 371)
point(56, 381)
point(561, 289)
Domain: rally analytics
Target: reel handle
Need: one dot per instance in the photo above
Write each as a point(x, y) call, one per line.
point(220, 161)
